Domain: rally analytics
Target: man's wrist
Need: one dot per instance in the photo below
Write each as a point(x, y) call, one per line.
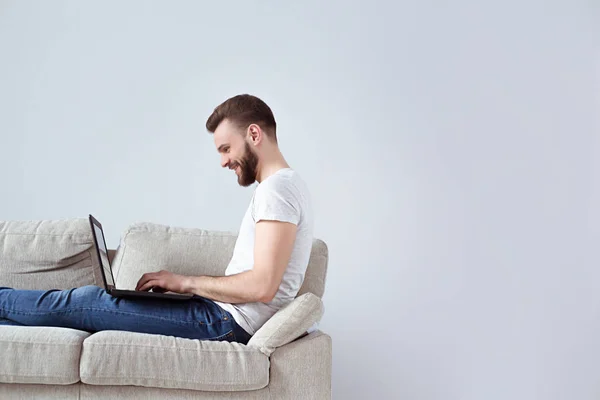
point(188, 284)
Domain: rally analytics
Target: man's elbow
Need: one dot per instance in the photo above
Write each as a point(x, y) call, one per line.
point(267, 294)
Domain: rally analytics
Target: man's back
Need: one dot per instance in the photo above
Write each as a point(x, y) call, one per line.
point(285, 197)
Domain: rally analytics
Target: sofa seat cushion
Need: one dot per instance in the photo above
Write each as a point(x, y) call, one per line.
point(139, 359)
point(33, 354)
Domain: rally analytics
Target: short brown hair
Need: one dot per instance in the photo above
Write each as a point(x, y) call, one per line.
point(243, 110)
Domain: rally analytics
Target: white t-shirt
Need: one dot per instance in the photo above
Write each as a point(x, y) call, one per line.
point(282, 196)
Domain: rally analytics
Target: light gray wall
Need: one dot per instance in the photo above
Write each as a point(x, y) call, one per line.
point(450, 148)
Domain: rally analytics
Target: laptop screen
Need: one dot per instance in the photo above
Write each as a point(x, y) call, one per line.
point(104, 255)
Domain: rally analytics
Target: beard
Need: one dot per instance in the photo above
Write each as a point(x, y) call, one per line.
point(248, 166)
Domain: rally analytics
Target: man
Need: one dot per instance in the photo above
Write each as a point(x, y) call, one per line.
point(264, 274)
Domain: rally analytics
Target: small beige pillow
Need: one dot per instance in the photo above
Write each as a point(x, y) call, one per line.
point(288, 323)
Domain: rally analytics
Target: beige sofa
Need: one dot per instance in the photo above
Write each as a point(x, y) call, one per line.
point(288, 358)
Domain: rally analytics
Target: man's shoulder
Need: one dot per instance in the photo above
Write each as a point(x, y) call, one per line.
point(284, 192)
point(285, 183)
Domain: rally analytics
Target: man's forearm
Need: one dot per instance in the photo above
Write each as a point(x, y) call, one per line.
point(238, 288)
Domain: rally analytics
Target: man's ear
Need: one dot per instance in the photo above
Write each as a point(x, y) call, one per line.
point(255, 133)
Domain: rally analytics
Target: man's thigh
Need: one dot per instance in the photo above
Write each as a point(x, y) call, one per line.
point(90, 308)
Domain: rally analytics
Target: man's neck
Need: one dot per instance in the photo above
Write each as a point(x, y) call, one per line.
point(269, 167)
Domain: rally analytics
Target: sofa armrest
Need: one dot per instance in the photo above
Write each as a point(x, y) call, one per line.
point(302, 369)
point(288, 324)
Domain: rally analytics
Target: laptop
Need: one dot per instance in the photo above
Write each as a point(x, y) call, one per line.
point(109, 282)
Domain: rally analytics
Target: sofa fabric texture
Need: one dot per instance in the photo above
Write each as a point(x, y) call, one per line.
point(288, 323)
point(48, 254)
point(129, 358)
point(40, 354)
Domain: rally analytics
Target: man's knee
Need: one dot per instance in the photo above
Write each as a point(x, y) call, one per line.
point(89, 291)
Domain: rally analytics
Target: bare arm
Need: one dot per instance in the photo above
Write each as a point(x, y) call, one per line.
point(273, 245)
point(244, 287)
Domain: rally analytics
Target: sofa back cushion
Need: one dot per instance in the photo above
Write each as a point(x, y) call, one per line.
point(48, 254)
point(148, 247)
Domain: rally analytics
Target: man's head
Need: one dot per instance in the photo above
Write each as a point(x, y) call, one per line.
point(244, 131)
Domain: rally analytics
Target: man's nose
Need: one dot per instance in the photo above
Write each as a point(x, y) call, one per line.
point(224, 162)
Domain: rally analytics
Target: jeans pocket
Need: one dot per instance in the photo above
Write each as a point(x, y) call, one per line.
point(229, 337)
point(225, 315)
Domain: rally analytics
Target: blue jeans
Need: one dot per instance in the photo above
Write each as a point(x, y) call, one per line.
point(91, 309)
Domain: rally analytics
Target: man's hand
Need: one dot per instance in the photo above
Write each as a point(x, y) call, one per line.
point(162, 281)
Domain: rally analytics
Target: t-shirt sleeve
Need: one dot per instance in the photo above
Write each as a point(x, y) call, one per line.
point(276, 202)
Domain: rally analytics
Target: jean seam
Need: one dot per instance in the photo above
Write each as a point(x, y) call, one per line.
point(229, 334)
point(64, 312)
point(212, 323)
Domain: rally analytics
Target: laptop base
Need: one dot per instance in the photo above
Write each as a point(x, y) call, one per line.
point(144, 294)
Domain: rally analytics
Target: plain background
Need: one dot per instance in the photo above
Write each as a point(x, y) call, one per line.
point(451, 149)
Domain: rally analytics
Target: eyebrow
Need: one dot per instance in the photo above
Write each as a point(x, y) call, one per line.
point(222, 146)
